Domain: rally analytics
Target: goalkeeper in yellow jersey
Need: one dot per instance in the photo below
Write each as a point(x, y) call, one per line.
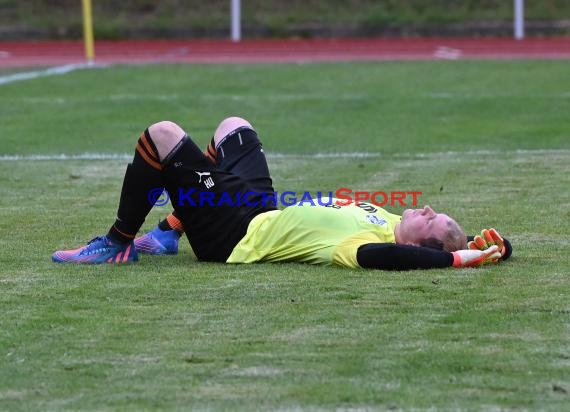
point(224, 202)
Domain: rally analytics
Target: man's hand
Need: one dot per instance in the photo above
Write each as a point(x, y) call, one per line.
point(488, 238)
point(471, 257)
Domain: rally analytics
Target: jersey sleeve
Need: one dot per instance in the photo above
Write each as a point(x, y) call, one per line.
point(390, 256)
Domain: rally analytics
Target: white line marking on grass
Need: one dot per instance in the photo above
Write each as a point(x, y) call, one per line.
point(64, 157)
point(52, 71)
point(339, 155)
point(126, 156)
point(281, 98)
point(174, 96)
point(465, 96)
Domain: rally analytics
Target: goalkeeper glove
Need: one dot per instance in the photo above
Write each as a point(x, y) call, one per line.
point(470, 257)
point(488, 238)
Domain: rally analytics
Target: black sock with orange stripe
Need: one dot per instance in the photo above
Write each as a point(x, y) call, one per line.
point(142, 178)
point(171, 222)
point(211, 152)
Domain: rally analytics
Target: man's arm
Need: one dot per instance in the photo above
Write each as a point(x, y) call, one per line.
point(390, 256)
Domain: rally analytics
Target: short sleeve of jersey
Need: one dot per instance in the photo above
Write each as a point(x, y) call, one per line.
point(315, 234)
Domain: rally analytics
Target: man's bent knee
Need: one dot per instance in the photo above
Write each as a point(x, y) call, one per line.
point(165, 136)
point(229, 125)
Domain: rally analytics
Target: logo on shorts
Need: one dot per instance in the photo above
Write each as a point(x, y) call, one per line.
point(208, 182)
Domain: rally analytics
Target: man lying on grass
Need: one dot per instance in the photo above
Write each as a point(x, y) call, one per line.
point(254, 230)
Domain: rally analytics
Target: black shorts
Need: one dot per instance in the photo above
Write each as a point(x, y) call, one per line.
point(216, 202)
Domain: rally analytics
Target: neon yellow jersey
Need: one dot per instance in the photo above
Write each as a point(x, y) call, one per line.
point(315, 234)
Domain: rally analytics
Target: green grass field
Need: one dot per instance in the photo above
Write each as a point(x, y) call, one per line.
point(486, 142)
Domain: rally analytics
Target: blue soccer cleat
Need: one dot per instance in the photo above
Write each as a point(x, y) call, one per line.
point(99, 250)
point(158, 242)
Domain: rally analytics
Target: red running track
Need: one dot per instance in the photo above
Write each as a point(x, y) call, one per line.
point(50, 53)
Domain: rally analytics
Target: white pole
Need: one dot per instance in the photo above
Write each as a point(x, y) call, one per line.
point(519, 19)
point(236, 20)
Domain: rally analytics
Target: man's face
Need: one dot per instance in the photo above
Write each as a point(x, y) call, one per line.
point(420, 224)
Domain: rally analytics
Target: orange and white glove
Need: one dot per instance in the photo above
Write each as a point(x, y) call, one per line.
point(469, 257)
point(488, 238)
